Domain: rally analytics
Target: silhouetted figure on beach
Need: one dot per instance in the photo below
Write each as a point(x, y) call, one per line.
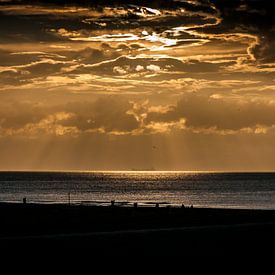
point(135, 204)
point(182, 206)
point(157, 205)
point(24, 200)
point(112, 203)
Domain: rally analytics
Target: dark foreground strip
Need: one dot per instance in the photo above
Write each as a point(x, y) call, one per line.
point(223, 231)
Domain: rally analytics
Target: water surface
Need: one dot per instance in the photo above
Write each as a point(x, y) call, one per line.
point(229, 190)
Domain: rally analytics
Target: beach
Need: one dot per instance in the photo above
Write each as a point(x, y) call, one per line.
point(110, 227)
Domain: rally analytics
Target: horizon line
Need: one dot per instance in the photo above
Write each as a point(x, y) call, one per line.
point(134, 171)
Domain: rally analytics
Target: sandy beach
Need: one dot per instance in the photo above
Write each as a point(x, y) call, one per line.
point(108, 227)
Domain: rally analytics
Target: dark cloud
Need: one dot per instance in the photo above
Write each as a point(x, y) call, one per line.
point(127, 65)
point(118, 116)
point(9, 59)
point(107, 113)
point(254, 16)
point(16, 115)
point(125, 15)
point(203, 112)
point(30, 73)
point(196, 5)
point(105, 52)
point(104, 115)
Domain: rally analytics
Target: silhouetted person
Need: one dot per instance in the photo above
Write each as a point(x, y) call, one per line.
point(182, 206)
point(112, 203)
point(24, 200)
point(157, 204)
point(135, 204)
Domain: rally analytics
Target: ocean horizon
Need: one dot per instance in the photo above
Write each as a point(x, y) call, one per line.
point(243, 190)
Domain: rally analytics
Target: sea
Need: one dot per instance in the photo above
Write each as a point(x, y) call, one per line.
point(146, 188)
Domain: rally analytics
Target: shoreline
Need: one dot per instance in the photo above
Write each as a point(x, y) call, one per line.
point(131, 204)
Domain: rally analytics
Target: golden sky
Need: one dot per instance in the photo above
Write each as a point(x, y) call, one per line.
point(117, 85)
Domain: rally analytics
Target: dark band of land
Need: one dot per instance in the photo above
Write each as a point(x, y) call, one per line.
point(105, 227)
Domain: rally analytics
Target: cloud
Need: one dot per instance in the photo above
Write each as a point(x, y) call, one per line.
point(139, 68)
point(221, 114)
point(49, 125)
point(161, 49)
point(105, 115)
point(119, 70)
point(148, 64)
point(153, 68)
point(164, 127)
point(8, 58)
point(195, 113)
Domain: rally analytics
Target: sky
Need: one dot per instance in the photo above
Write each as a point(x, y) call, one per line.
point(137, 84)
